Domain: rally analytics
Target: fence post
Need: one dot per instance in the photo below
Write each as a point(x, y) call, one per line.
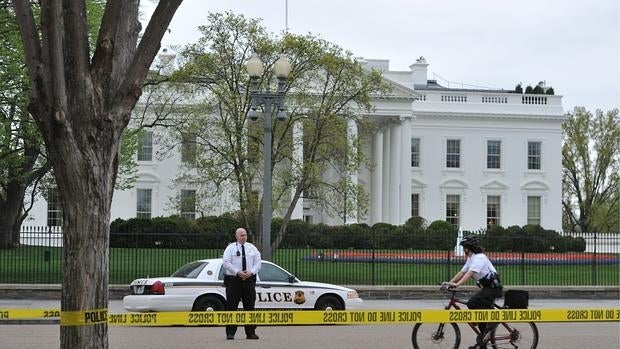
point(135, 254)
point(296, 268)
point(372, 262)
point(448, 276)
point(522, 261)
point(594, 262)
point(47, 255)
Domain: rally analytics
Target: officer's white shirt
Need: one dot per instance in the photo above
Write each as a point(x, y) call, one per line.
point(480, 264)
point(233, 263)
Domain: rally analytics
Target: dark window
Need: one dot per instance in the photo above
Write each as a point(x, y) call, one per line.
point(453, 153)
point(54, 211)
point(453, 209)
point(493, 210)
point(415, 152)
point(188, 148)
point(415, 205)
point(533, 210)
point(269, 272)
point(145, 146)
point(190, 270)
point(494, 154)
point(143, 209)
point(188, 204)
point(534, 155)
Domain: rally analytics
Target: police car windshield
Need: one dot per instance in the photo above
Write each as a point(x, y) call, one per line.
point(190, 270)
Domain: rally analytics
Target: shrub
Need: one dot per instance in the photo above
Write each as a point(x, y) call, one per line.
point(440, 235)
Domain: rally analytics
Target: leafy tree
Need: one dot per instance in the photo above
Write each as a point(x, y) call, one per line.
point(538, 90)
point(591, 167)
point(81, 101)
point(519, 88)
point(22, 149)
point(326, 88)
point(20, 143)
point(529, 89)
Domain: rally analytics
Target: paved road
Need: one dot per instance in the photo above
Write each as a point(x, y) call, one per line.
point(553, 335)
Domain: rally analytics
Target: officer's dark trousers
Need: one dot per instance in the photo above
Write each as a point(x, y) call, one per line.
point(484, 299)
point(237, 289)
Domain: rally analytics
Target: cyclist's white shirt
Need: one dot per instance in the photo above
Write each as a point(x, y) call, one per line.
point(480, 264)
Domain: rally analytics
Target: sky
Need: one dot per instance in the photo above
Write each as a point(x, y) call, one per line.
point(572, 45)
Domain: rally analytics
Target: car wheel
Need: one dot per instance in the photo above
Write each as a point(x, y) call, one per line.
point(208, 303)
point(329, 303)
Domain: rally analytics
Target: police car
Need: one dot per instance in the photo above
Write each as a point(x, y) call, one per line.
point(199, 286)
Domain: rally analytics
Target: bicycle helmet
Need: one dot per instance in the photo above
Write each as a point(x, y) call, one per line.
point(470, 241)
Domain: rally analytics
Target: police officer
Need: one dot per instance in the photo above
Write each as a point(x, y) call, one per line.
point(241, 264)
point(479, 267)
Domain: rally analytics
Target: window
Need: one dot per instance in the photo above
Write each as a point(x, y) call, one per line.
point(533, 155)
point(453, 208)
point(533, 210)
point(145, 146)
point(143, 209)
point(415, 205)
point(54, 211)
point(188, 148)
point(493, 210)
point(494, 154)
point(453, 153)
point(188, 204)
point(270, 272)
point(415, 152)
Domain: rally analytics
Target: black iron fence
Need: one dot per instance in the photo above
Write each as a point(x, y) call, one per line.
point(38, 259)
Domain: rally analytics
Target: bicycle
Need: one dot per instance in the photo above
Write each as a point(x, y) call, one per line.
point(448, 335)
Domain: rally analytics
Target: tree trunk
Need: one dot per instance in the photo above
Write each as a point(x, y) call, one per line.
point(287, 218)
point(85, 182)
point(81, 103)
point(10, 215)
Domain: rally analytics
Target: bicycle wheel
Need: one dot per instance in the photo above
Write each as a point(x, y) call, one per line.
point(514, 335)
point(436, 335)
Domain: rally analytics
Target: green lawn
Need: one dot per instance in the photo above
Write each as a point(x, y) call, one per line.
point(30, 264)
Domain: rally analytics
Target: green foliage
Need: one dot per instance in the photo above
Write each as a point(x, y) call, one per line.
point(442, 233)
point(21, 148)
point(538, 90)
point(217, 232)
point(128, 167)
point(326, 89)
point(519, 88)
point(591, 167)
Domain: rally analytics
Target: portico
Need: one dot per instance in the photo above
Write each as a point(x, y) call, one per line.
point(390, 194)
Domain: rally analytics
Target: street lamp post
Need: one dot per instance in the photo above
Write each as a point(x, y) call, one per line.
point(268, 100)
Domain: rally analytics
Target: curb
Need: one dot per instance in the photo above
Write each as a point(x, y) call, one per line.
point(117, 292)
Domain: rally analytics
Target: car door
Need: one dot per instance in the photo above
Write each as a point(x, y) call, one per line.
point(278, 289)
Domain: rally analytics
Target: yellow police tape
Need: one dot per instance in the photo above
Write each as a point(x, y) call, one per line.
point(313, 317)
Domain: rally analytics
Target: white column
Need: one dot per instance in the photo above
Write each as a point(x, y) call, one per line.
point(395, 173)
point(298, 158)
point(376, 192)
point(352, 139)
point(385, 188)
point(405, 168)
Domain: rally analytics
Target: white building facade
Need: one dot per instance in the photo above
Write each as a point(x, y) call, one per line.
point(473, 157)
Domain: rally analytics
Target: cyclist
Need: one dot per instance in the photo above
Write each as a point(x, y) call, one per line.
point(479, 267)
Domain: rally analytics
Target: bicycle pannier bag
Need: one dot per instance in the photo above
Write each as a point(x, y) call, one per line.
point(516, 299)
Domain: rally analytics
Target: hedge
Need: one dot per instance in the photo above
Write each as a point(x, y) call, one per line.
point(217, 232)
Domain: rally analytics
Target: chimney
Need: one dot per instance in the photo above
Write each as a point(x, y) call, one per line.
point(419, 72)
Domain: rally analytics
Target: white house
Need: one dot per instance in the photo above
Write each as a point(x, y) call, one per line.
point(472, 157)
